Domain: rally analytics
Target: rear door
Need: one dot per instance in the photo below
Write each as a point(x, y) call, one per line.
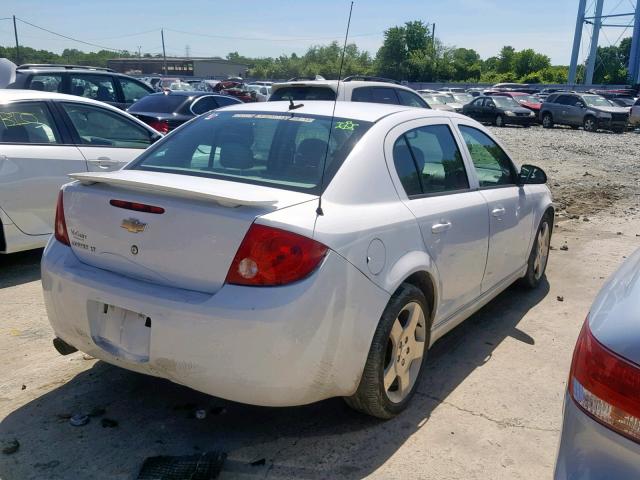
point(452, 215)
point(131, 91)
point(35, 158)
point(95, 86)
point(510, 211)
point(107, 139)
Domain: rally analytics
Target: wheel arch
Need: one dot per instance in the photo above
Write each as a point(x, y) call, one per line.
point(416, 268)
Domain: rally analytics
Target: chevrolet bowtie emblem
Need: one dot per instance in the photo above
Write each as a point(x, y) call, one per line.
point(133, 225)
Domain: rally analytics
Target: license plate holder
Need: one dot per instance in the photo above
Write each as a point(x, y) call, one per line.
point(121, 332)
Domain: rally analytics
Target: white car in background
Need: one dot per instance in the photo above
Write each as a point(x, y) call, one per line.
point(262, 91)
point(43, 138)
point(274, 254)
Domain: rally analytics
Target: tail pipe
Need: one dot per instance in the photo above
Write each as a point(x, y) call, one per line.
point(63, 347)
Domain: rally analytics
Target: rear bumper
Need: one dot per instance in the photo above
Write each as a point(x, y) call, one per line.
point(277, 346)
point(590, 451)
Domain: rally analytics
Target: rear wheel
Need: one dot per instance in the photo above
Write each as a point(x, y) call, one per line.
point(590, 124)
point(547, 120)
point(537, 263)
point(499, 121)
point(396, 356)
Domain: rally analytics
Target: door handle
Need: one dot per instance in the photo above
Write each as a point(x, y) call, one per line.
point(103, 162)
point(498, 212)
point(440, 227)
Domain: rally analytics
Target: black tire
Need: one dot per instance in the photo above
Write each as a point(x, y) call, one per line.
point(499, 121)
point(590, 124)
point(547, 120)
point(536, 273)
point(371, 397)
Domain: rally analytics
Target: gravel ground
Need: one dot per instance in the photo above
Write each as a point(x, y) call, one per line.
point(588, 172)
point(489, 405)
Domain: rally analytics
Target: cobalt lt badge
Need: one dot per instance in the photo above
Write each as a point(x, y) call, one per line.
point(134, 249)
point(133, 225)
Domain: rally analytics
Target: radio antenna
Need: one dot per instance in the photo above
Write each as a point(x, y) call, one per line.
point(333, 113)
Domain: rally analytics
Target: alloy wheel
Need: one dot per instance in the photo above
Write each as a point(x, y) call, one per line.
point(405, 348)
point(542, 250)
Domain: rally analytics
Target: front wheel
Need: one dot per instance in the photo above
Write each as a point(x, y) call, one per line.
point(396, 356)
point(499, 121)
point(537, 263)
point(547, 120)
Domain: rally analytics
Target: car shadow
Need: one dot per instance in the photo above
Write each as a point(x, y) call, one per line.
point(156, 417)
point(19, 268)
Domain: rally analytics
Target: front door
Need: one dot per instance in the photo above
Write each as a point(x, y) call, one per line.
point(107, 139)
point(510, 214)
point(34, 164)
point(452, 217)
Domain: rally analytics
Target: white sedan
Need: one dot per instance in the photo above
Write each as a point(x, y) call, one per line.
point(276, 255)
point(43, 138)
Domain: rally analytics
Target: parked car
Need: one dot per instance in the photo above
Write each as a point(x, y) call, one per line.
point(475, 92)
point(168, 110)
point(592, 112)
point(461, 98)
point(452, 90)
point(95, 83)
point(262, 91)
point(437, 102)
point(212, 262)
point(499, 111)
point(625, 102)
point(43, 138)
point(601, 422)
point(524, 99)
point(634, 117)
point(352, 89)
point(449, 100)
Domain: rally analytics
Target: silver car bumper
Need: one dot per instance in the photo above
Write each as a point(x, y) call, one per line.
point(590, 451)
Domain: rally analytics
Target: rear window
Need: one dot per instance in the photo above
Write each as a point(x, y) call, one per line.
point(158, 104)
point(303, 93)
point(277, 150)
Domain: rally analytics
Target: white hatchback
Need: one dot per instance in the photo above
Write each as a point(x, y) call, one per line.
point(43, 138)
point(277, 255)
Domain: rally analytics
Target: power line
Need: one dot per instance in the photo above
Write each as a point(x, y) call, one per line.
point(288, 39)
point(155, 30)
point(69, 38)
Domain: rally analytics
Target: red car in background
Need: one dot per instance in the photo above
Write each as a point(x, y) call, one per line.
point(524, 99)
point(235, 89)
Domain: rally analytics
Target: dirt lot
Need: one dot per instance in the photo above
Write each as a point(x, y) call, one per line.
point(489, 405)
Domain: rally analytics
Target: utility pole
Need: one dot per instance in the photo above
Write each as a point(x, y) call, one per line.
point(139, 51)
point(164, 53)
point(15, 32)
point(634, 58)
point(577, 36)
point(591, 61)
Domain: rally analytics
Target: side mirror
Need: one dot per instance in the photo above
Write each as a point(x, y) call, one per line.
point(491, 106)
point(532, 175)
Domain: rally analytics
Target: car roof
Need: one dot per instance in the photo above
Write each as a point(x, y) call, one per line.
point(185, 93)
point(367, 112)
point(9, 94)
point(334, 83)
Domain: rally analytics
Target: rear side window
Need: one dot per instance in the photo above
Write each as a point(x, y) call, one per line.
point(436, 159)
point(27, 122)
point(303, 93)
point(375, 95)
point(97, 87)
point(410, 99)
point(50, 82)
point(226, 101)
point(492, 165)
point(203, 104)
point(277, 150)
point(565, 100)
point(132, 90)
point(158, 103)
point(101, 127)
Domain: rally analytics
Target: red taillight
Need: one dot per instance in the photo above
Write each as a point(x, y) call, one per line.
point(605, 385)
point(270, 256)
point(161, 126)
point(60, 223)
point(138, 207)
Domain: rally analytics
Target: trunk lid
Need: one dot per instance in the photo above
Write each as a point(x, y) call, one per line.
point(190, 245)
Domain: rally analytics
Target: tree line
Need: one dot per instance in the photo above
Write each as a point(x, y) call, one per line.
point(409, 52)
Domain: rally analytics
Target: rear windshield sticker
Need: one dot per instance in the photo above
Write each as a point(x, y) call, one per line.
point(288, 118)
point(346, 125)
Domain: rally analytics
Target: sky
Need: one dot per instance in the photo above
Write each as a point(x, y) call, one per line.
point(270, 28)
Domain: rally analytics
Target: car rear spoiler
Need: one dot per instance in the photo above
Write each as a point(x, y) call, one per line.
point(222, 192)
